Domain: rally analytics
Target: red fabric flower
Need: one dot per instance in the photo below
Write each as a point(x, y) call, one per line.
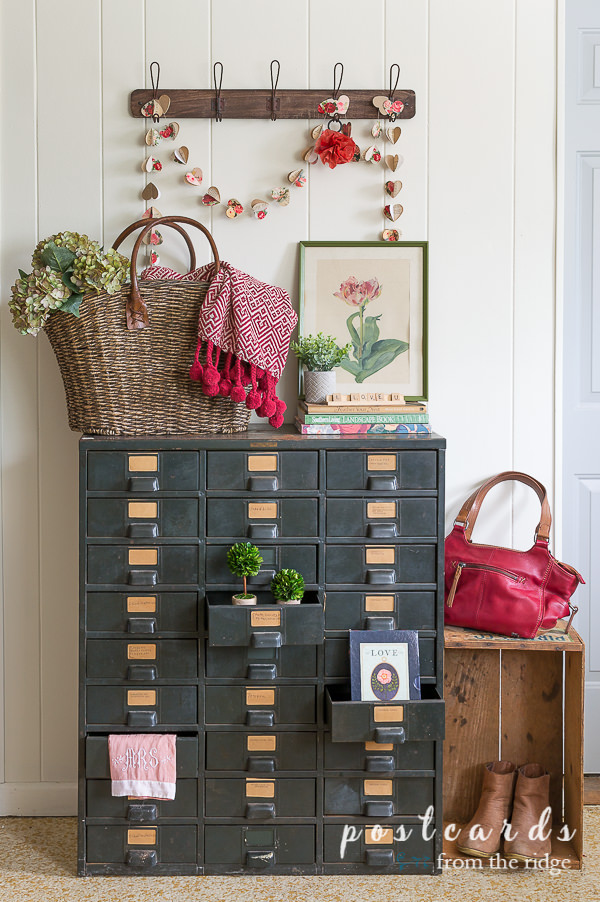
point(334, 147)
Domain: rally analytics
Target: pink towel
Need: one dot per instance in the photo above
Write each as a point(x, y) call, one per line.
point(142, 765)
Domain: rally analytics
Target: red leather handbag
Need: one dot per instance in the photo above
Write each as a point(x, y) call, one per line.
point(500, 590)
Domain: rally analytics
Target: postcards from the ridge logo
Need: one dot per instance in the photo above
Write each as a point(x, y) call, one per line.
point(401, 833)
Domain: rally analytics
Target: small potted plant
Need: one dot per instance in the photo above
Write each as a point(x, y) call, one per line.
point(244, 560)
point(287, 587)
point(319, 354)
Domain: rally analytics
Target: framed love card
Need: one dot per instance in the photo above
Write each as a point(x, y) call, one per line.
point(373, 296)
point(384, 665)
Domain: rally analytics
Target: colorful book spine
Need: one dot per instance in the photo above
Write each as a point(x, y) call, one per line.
point(363, 429)
point(362, 418)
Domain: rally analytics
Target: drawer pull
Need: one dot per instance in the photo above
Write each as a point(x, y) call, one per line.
point(381, 577)
point(142, 719)
point(138, 814)
point(390, 734)
point(261, 672)
point(379, 764)
point(382, 531)
point(263, 531)
point(142, 672)
point(378, 809)
point(143, 484)
point(262, 578)
point(260, 810)
point(260, 859)
point(266, 640)
point(142, 530)
point(379, 858)
point(380, 623)
point(263, 483)
point(141, 624)
point(142, 578)
point(382, 483)
point(260, 718)
point(258, 765)
point(141, 858)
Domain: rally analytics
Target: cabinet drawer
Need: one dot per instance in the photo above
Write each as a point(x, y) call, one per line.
point(259, 799)
point(143, 471)
point(143, 565)
point(379, 849)
point(381, 471)
point(142, 847)
point(97, 765)
point(380, 565)
point(381, 518)
point(250, 663)
point(122, 659)
point(143, 707)
point(380, 610)
point(100, 803)
point(147, 519)
point(377, 757)
point(260, 847)
point(302, 558)
point(261, 753)
point(258, 471)
point(260, 706)
point(251, 518)
point(377, 796)
point(142, 614)
point(337, 660)
point(264, 624)
point(398, 722)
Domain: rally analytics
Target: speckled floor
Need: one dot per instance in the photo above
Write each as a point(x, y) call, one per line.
point(37, 864)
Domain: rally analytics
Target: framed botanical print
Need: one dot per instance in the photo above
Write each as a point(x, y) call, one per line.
point(372, 295)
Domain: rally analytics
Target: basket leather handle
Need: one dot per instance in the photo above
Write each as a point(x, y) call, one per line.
point(470, 509)
point(137, 312)
point(144, 222)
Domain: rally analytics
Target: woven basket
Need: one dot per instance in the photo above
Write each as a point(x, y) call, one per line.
point(122, 378)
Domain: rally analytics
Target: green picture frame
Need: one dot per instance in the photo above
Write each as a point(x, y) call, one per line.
point(393, 278)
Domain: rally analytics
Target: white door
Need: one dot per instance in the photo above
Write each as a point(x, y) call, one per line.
point(579, 145)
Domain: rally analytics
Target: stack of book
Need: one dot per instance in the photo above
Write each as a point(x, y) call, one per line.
point(348, 418)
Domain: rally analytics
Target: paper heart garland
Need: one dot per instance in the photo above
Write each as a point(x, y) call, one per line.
point(194, 177)
point(376, 130)
point(152, 137)
point(316, 131)
point(393, 133)
point(259, 208)
point(297, 178)
point(331, 106)
point(151, 165)
point(310, 155)
point(154, 258)
point(234, 208)
point(164, 102)
point(387, 107)
point(151, 213)
point(390, 235)
point(170, 131)
point(181, 155)
point(152, 108)
point(393, 212)
point(211, 197)
point(393, 161)
point(154, 238)
point(281, 196)
point(150, 192)
point(393, 188)
point(372, 155)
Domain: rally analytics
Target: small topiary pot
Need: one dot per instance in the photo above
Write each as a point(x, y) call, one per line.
point(243, 599)
point(318, 384)
point(288, 587)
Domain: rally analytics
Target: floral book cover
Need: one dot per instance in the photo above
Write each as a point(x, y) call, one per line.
point(384, 665)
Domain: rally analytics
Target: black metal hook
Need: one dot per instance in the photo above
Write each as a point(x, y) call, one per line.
point(154, 84)
point(274, 83)
point(392, 116)
point(218, 102)
point(336, 88)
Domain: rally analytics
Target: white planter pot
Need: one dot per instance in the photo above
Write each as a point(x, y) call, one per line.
point(317, 385)
point(293, 601)
point(243, 601)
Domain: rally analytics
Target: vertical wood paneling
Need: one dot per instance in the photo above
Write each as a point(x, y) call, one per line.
point(70, 197)
point(406, 43)
point(19, 406)
point(471, 233)
point(346, 203)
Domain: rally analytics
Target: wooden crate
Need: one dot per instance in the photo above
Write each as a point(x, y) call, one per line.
point(520, 700)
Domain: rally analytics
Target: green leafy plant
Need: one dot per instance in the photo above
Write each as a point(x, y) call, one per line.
point(319, 352)
point(287, 585)
point(65, 267)
point(244, 560)
point(371, 353)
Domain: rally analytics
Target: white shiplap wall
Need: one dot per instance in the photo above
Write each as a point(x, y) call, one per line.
point(479, 183)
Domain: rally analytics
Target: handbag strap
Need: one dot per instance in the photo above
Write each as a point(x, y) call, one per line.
point(470, 509)
point(137, 312)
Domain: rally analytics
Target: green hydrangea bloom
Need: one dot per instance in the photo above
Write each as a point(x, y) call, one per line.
point(34, 297)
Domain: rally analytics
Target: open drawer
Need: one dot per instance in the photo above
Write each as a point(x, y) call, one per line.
point(408, 721)
point(266, 624)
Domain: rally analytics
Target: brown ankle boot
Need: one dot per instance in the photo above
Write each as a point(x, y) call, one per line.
point(492, 811)
point(531, 798)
